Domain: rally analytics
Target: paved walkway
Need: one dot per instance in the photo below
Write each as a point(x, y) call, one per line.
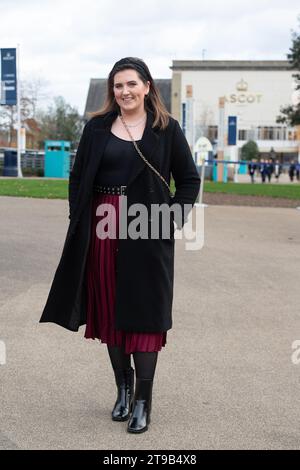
point(225, 379)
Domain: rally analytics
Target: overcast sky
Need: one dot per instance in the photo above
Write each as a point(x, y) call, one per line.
point(68, 42)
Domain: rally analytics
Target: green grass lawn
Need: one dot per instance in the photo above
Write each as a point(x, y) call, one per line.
point(286, 191)
point(27, 187)
point(58, 189)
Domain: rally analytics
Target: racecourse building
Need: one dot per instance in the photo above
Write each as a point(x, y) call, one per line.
point(253, 91)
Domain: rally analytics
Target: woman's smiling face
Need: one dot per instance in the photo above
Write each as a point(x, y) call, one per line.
point(130, 91)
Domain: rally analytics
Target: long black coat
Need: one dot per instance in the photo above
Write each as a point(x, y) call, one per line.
point(144, 267)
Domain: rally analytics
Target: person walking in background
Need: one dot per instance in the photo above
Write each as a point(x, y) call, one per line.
point(251, 170)
point(269, 169)
point(277, 170)
point(262, 169)
point(292, 170)
point(298, 171)
point(121, 288)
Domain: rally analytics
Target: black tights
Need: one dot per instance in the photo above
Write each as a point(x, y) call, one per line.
point(145, 362)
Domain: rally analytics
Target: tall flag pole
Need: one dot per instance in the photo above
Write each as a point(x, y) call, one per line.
point(10, 89)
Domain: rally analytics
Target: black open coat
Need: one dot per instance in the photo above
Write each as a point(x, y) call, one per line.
point(145, 267)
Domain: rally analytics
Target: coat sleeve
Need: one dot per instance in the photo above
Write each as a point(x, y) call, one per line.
point(75, 173)
point(185, 174)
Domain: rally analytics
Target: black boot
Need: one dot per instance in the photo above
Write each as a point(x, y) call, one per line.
point(125, 384)
point(140, 417)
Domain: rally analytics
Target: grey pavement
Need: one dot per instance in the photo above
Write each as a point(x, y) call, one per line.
point(225, 379)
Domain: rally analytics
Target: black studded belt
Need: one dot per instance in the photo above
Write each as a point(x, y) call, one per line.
point(115, 190)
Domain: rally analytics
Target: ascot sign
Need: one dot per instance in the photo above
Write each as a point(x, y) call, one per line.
point(242, 97)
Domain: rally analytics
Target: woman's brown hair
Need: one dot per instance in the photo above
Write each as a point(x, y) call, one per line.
point(153, 101)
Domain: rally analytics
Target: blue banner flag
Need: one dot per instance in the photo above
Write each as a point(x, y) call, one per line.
point(8, 74)
point(232, 128)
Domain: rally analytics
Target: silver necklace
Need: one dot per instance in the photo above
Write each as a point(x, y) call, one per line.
point(132, 125)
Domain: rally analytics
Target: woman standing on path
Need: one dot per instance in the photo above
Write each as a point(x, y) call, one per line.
point(122, 287)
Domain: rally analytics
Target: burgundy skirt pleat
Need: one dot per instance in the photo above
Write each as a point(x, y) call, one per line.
point(101, 287)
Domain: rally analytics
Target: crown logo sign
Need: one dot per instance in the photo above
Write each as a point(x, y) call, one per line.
point(242, 85)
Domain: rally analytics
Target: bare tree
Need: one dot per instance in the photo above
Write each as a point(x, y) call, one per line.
point(32, 93)
point(60, 122)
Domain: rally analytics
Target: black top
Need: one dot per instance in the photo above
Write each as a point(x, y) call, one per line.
point(117, 161)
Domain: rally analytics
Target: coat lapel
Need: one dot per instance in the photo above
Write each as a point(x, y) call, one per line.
point(99, 141)
point(95, 151)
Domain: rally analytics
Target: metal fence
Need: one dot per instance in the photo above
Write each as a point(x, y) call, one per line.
point(31, 160)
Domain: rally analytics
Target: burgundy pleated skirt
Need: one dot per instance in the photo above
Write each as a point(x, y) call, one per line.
point(101, 287)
